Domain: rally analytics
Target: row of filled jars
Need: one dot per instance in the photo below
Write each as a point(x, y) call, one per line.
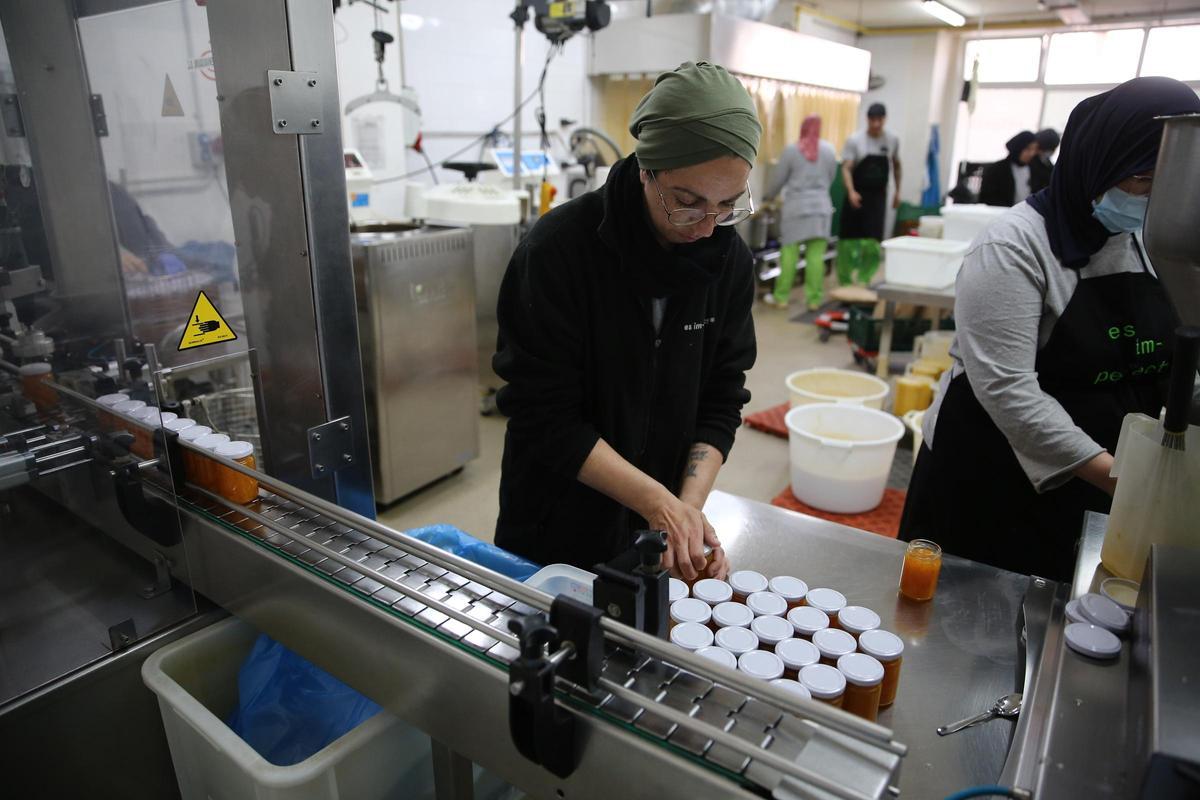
point(200, 469)
point(808, 641)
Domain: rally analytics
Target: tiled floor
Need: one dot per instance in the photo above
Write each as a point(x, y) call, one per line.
point(758, 464)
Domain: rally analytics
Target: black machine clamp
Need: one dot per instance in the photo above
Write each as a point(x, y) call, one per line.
point(633, 588)
point(155, 519)
point(568, 645)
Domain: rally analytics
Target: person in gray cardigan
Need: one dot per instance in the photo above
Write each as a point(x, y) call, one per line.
point(805, 173)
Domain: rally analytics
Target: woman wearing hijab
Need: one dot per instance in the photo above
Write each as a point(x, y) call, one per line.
point(1006, 182)
point(625, 336)
point(805, 174)
point(1056, 302)
point(1041, 165)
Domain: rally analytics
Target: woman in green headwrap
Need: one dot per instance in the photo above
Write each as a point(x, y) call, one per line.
point(625, 336)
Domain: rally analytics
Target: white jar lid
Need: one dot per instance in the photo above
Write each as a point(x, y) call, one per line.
point(732, 615)
point(719, 655)
point(833, 643)
point(691, 635)
point(797, 653)
point(712, 591)
point(128, 406)
point(737, 640)
point(771, 630)
point(211, 441)
point(766, 604)
point(823, 681)
point(830, 601)
point(144, 411)
point(153, 417)
point(1121, 591)
point(689, 609)
point(1073, 613)
point(882, 645)
point(788, 588)
point(860, 669)
point(195, 432)
point(35, 369)
point(795, 687)
point(179, 424)
point(1099, 610)
point(747, 581)
point(761, 664)
point(1092, 640)
point(857, 619)
point(677, 589)
point(234, 450)
point(808, 620)
point(110, 400)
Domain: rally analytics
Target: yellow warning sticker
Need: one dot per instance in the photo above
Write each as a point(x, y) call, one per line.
point(206, 326)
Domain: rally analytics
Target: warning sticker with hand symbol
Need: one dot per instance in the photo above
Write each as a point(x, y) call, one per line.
point(206, 326)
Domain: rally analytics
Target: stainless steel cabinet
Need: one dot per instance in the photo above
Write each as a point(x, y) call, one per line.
point(416, 321)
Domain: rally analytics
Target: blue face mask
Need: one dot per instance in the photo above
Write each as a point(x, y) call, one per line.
point(1121, 212)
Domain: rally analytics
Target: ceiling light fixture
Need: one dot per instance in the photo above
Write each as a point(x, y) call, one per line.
point(946, 14)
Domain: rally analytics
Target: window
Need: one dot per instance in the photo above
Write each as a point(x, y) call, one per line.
point(1173, 52)
point(1094, 56)
point(1004, 60)
point(1060, 103)
point(999, 114)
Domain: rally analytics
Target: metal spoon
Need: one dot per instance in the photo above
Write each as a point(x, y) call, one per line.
point(1007, 706)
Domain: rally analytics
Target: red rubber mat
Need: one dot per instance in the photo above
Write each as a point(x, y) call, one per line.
point(884, 519)
point(769, 421)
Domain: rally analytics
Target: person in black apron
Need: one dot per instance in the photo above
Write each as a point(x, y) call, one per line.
point(1108, 353)
point(865, 211)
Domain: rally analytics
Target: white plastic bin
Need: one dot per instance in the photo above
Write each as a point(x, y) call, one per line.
point(196, 683)
point(965, 222)
point(923, 263)
point(841, 455)
point(828, 385)
point(930, 227)
point(556, 579)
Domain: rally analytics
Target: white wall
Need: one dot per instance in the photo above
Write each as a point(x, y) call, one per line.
point(459, 56)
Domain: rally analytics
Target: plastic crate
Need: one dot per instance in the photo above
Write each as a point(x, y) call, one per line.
point(196, 683)
point(864, 331)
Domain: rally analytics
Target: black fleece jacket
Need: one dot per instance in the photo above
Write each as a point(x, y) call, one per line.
point(582, 361)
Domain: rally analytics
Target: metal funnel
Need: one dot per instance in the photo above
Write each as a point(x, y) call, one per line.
point(1172, 230)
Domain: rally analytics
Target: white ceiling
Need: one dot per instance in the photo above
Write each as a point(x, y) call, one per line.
point(908, 13)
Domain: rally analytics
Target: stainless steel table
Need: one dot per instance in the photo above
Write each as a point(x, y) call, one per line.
point(892, 294)
point(960, 648)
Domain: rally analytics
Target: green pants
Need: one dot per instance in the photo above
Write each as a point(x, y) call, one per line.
point(814, 271)
point(857, 260)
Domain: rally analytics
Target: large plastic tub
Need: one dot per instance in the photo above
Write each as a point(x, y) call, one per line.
point(923, 263)
point(196, 683)
point(965, 222)
point(828, 385)
point(841, 455)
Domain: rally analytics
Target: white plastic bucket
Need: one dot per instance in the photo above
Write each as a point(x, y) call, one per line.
point(841, 455)
point(828, 385)
point(964, 222)
point(923, 263)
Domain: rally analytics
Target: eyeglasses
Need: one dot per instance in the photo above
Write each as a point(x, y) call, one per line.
point(684, 217)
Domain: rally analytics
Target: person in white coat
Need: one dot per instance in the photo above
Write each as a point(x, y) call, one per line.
point(805, 173)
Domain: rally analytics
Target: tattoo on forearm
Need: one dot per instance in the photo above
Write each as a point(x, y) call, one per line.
point(696, 455)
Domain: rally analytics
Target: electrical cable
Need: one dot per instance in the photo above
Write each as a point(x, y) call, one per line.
point(428, 163)
point(988, 791)
point(482, 137)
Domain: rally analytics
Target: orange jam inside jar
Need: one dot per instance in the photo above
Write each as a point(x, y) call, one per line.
point(864, 679)
point(205, 475)
point(106, 419)
point(919, 576)
point(190, 458)
point(35, 385)
point(888, 649)
point(231, 484)
point(826, 684)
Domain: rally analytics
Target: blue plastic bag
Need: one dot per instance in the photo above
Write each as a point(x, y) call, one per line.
point(452, 540)
point(289, 709)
